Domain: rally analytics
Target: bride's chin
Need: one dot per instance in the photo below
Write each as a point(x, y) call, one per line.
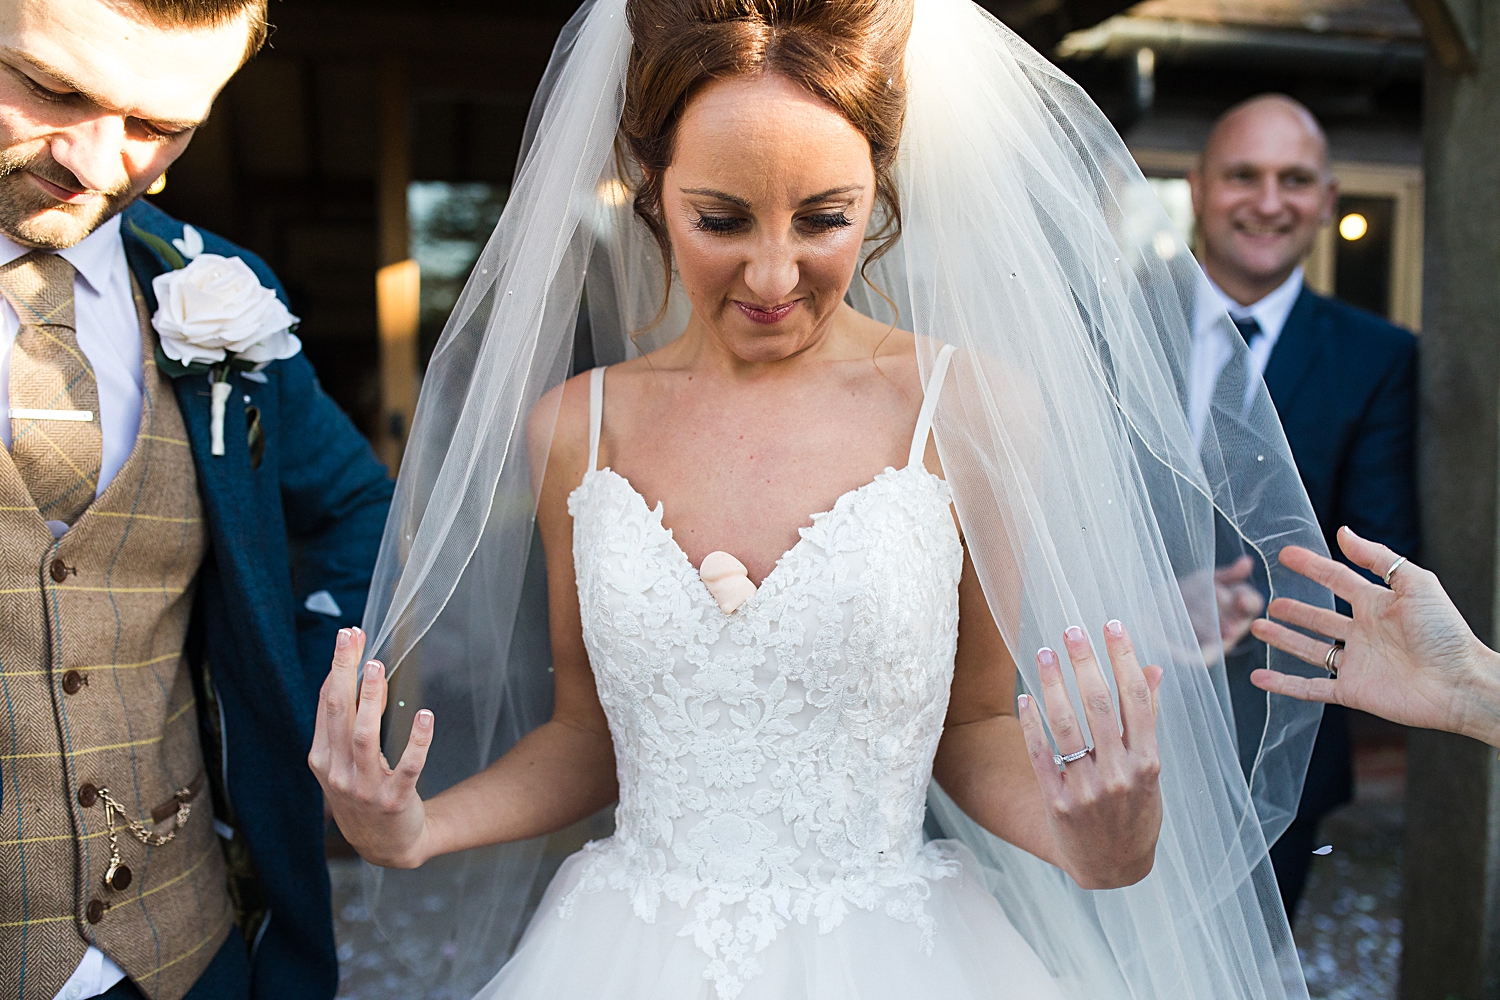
point(756, 344)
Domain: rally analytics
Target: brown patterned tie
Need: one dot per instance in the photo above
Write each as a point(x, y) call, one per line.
point(56, 442)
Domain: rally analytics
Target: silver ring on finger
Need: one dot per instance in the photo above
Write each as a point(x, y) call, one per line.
point(1392, 571)
point(1062, 761)
point(1331, 661)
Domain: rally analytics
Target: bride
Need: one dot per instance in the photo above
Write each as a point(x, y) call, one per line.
point(892, 268)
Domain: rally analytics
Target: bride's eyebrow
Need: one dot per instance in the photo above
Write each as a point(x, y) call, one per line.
point(720, 195)
point(832, 193)
point(742, 203)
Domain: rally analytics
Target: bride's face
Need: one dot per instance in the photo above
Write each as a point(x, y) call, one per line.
point(766, 203)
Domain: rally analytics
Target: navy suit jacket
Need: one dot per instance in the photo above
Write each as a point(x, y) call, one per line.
point(1345, 385)
point(307, 517)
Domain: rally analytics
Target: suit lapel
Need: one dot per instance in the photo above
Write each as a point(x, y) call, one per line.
point(227, 484)
point(1296, 352)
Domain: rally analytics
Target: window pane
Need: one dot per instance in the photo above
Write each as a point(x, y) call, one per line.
point(1362, 252)
point(450, 224)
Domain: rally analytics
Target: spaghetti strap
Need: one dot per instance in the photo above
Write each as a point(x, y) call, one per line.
point(929, 405)
point(596, 414)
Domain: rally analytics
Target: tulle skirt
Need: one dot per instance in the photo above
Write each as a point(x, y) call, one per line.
point(603, 951)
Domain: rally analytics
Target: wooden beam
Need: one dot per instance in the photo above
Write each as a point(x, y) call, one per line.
point(1450, 869)
point(398, 282)
point(1444, 34)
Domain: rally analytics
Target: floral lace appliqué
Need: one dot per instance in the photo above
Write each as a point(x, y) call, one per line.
point(773, 763)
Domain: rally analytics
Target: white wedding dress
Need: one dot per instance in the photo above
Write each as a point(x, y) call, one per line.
point(773, 766)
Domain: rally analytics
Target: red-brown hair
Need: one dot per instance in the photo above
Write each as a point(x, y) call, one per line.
point(846, 52)
point(206, 14)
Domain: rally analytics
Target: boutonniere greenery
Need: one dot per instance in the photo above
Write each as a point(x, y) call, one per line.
point(213, 316)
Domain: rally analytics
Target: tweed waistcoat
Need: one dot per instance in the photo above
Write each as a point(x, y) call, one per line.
point(97, 694)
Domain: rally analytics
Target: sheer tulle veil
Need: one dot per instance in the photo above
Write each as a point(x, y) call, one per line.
point(1032, 243)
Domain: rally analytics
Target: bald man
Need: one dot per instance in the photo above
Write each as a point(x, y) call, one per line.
point(1343, 381)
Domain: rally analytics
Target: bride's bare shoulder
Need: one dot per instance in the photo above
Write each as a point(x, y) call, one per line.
point(557, 434)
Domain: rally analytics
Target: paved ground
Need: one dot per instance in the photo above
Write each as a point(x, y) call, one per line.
point(1348, 928)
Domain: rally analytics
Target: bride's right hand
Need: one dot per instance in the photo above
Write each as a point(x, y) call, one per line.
point(376, 806)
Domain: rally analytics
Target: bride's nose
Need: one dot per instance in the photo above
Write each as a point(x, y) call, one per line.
point(772, 272)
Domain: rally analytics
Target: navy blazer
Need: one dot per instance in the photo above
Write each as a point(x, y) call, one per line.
point(307, 517)
point(1345, 385)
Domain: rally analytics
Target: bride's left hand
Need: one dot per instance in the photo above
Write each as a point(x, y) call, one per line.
point(1104, 810)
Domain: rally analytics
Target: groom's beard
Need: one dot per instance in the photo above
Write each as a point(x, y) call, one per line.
point(33, 218)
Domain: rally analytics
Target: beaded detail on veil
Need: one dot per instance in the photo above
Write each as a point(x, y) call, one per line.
point(773, 763)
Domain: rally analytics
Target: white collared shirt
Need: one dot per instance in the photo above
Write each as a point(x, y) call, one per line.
point(1213, 340)
point(94, 975)
point(109, 335)
point(1270, 312)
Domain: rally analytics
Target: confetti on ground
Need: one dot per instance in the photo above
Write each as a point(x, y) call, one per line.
point(1348, 928)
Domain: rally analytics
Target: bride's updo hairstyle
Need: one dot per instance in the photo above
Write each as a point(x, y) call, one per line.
point(845, 52)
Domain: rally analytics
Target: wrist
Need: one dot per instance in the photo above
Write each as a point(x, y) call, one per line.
point(431, 839)
point(1479, 709)
point(1116, 875)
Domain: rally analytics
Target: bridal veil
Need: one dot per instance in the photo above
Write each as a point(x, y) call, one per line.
point(1032, 243)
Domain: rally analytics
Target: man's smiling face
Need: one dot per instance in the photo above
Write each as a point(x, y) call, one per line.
point(95, 103)
point(1261, 194)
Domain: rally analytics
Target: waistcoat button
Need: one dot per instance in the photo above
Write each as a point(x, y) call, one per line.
point(95, 912)
point(72, 681)
point(87, 795)
point(121, 881)
point(59, 570)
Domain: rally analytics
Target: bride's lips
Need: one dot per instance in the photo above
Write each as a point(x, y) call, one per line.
point(759, 314)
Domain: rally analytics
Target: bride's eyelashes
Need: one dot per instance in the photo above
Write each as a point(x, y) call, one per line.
point(823, 222)
point(826, 222)
point(721, 224)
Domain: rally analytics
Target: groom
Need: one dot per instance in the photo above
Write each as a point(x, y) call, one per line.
point(182, 532)
point(1343, 382)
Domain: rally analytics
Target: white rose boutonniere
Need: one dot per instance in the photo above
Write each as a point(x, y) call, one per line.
point(213, 315)
point(215, 308)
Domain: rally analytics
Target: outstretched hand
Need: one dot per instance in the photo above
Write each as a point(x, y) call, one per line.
point(1238, 600)
point(1104, 809)
point(1408, 657)
point(376, 806)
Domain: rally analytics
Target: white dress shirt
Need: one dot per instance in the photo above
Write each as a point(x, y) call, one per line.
point(94, 975)
point(109, 334)
point(1213, 341)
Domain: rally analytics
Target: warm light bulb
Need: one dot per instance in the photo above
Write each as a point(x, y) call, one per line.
point(1165, 244)
point(613, 192)
point(1353, 226)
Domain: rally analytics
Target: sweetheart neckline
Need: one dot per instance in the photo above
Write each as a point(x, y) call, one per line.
point(842, 500)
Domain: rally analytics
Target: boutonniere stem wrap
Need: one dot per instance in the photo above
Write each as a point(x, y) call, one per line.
point(221, 393)
point(213, 315)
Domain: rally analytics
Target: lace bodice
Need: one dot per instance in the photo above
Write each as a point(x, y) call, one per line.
point(773, 763)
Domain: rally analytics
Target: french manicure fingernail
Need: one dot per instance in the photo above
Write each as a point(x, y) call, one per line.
point(343, 640)
point(1074, 633)
point(1046, 656)
point(1114, 627)
point(374, 667)
point(424, 717)
point(1023, 701)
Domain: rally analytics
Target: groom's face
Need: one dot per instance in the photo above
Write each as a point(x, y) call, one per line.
point(96, 102)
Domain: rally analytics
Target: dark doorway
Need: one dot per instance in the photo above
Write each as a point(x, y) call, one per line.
point(1362, 253)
